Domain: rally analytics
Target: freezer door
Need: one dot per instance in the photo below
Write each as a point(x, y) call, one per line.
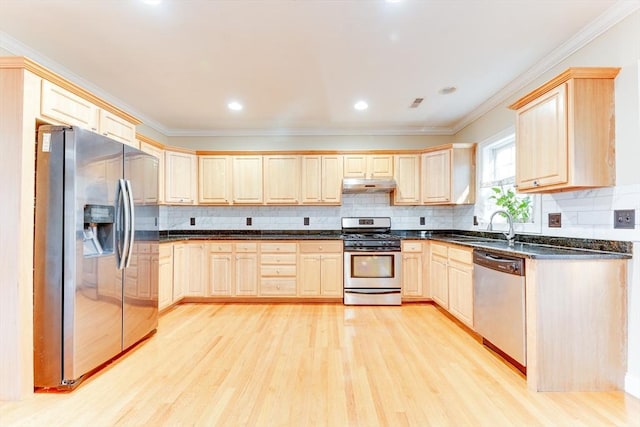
point(141, 275)
point(93, 310)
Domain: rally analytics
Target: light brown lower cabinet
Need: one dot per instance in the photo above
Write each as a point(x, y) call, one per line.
point(320, 269)
point(451, 279)
point(210, 270)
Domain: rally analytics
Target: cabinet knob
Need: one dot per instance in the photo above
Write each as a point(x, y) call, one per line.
point(536, 183)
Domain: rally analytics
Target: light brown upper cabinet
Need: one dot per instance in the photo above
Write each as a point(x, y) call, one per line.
point(181, 170)
point(565, 132)
point(368, 166)
point(407, 176)
point(151, 147)
point(282, 179)
point(448, 175)
point(322, 179)
point(68, 108)
point(247, 179)
point(214, 180)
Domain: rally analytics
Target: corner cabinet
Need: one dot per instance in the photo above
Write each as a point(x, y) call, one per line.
point(448, 175)
point(565, 132)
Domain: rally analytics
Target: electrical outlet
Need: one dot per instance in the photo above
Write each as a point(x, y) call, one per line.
point(624, 218)
point(422, 221)
point(249, 221)
point(192, 221)
point(475, 220)
point(555, 220)
point(306, 220)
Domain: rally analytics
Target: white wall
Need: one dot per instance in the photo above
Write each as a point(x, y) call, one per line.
point(589, 214)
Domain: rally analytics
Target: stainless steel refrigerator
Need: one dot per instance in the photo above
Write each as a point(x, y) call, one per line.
point(95, 252)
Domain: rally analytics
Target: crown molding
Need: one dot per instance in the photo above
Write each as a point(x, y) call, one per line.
point(416, 131)
point(604, 22)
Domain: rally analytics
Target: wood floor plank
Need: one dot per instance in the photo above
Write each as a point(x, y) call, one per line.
point(313, 365)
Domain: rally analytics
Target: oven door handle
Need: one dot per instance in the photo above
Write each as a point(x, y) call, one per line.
point(372, 291)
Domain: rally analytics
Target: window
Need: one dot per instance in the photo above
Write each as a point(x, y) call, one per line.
point(497, 171)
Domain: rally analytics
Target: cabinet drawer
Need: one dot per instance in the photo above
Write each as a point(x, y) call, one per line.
point(278, 270)
point(328, 246)
point(278, 247)
point(461, 255)
point(438, 249)
point(278, 287)
point(411, 247)
point(246, 247)
point(278, 259)
point(220, 247)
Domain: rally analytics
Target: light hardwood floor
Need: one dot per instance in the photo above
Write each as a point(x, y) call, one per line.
point(313, 365)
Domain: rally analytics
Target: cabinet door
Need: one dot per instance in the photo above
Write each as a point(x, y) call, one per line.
point(159, 154)
point(355, 166)
point(220, 273)
point(436, 173)
point(197, 270)
point(407, 176)
point(380, 166)
point(542, 143)
point(412, 274)
point(311, 178)
point(461, 292)
point(117, 128)
point(214, 179)
point(247, 179)
point(439, 280)
point(67, 108)
point(180, 271)
point(165, 276)
point(282, 180)
point(246, 274)
point(180, 174)
point(332, 179)
point(310, 274)
point(331, 274)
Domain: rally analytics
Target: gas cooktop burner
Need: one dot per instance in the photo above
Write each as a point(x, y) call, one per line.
point(372, 236)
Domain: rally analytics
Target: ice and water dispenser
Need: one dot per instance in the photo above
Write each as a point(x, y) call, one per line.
point(98, 233)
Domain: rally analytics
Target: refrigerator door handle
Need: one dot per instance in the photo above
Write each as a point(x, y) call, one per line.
point(132, 227)
point(123, 203)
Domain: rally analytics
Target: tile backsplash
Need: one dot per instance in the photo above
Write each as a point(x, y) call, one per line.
point(292, 217)
point(585, 214)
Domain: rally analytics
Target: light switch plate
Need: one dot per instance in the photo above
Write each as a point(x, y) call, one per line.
point(624, 218)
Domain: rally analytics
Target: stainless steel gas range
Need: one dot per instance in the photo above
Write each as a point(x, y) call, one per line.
point(371, 262)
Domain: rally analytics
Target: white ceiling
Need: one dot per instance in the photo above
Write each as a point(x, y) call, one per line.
point(298, 66)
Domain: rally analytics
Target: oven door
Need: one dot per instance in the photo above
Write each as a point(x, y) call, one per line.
point(372, 278)
point(372, 270)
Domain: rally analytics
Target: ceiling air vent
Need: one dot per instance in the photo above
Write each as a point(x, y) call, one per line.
point(416, 103)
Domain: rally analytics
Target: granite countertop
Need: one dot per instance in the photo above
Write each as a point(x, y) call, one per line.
point(526, 246)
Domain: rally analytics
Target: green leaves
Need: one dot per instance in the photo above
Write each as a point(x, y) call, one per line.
point(518, 207)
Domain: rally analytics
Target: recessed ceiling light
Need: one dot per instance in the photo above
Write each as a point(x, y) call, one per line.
point(235, 106)
point(361, 105)
point(447, 90)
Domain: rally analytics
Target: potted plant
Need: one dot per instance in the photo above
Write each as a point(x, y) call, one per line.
point(518, 207)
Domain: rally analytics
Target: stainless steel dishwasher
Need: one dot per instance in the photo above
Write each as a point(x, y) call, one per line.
point(499, 304)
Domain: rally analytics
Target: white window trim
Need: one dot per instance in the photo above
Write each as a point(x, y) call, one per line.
point(500, 223)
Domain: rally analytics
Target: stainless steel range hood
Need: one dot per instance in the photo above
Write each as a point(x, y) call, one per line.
point(373, 185)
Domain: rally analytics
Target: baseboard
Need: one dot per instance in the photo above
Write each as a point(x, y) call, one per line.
point(632, 384)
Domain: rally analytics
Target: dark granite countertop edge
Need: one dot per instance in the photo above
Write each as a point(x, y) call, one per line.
point(540, 247)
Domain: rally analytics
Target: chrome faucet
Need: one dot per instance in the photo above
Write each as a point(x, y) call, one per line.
point(510, 235)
